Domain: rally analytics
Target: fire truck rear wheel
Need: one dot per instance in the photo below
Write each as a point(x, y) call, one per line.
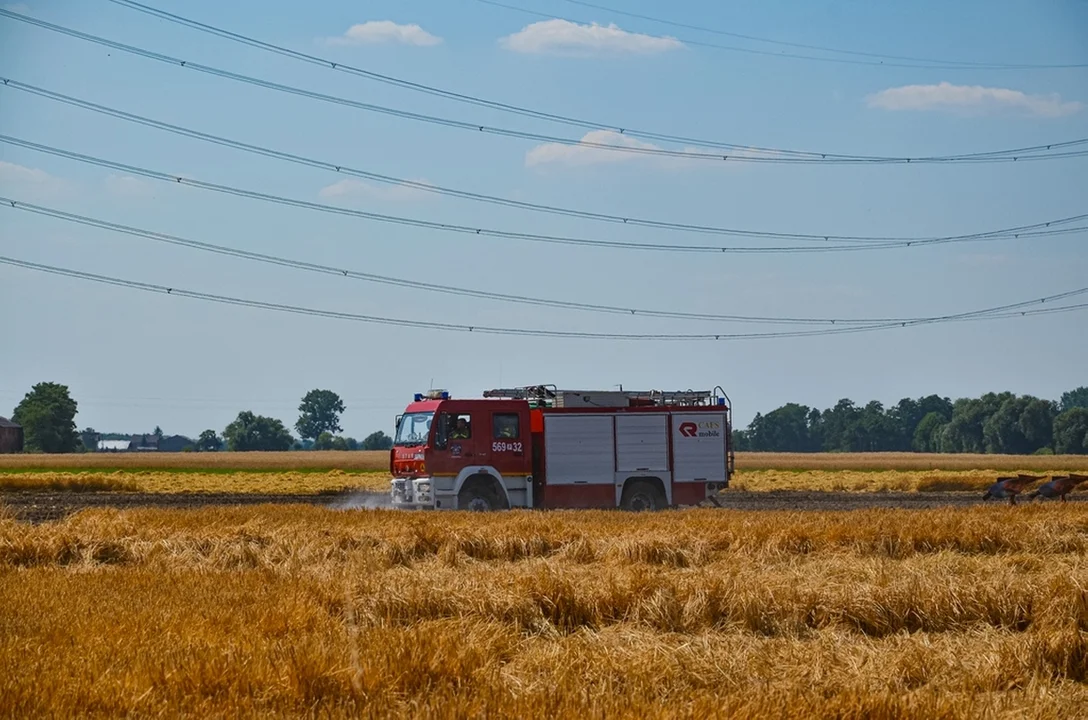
point(641, 495)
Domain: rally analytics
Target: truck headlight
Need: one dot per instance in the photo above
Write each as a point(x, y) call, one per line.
point(423, 487)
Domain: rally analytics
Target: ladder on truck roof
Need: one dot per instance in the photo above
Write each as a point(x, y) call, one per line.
point(550, 396)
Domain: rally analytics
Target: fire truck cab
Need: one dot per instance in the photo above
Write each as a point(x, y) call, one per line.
point(540, 447)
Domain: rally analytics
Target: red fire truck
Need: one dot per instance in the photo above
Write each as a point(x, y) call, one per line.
point(540, 447)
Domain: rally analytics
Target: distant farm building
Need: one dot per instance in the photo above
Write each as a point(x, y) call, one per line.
point(154, 443)
point(144, 443)
point(174, 443)
point(147, 443)
point(113, 445)
point(11, 436)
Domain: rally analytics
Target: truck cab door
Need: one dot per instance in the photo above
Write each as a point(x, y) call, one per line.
point(455, 441)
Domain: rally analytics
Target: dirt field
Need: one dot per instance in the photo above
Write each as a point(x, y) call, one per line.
point(309, 612)
point(336, 481)
point(40, 506)
point(379, 461)
point(170, 481)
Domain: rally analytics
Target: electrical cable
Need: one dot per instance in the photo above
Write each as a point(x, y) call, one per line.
point(911, 62)
point(453, 192)
point(736, 152)
point(451, 290)
point(930, 62)
point(490, 330)
point(1034, 230)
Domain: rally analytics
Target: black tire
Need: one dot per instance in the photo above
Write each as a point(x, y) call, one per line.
point(642, 495)
point(478, 497)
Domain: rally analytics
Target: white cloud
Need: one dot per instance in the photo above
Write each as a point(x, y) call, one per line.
point(384, 31)
point(587, 152)
point(353, 189)
point(970, 98)
point(565, 37)
point(129, 186)
point(20, 177)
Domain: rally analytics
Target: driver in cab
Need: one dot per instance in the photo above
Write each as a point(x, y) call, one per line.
point(460, 430)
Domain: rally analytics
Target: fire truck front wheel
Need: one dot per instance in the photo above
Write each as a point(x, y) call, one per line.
point(480, 496)
point(641, 495)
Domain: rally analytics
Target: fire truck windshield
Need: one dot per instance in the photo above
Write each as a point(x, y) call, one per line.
point(414, 429)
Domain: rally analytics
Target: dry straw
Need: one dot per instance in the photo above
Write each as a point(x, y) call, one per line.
point(300, 611)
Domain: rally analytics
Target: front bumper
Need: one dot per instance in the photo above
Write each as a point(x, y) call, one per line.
point(412, 493)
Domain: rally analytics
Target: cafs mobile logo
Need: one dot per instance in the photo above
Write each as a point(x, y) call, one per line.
point(704, 429)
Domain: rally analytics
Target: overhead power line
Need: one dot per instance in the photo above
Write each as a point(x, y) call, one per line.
point(1060, 226)
point(340, 168)
point(467, 195)
point(525, 332)
point(928, 62)
point(876, 59)
point(730, 152)
point(467, 292)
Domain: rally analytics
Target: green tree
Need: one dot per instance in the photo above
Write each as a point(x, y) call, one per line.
point(377, 441)
point(1074, 399)
point(784, 430)
point(339, 443)
point(1036, 424)
point(209, 441)
point(319, 412)
point(965, 432)
point(841, 429)
point(89, 439)
point(352, 444)
point(324, 441)
point(47, 414)
point(740, 441)
point(927, 435)
point(1071, 432)
point(1020, 426)
point(908, 414)
point(876, 430)
point(999, 431)
point(256, 432)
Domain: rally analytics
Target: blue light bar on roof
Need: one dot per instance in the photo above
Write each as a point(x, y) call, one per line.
point(418, 397)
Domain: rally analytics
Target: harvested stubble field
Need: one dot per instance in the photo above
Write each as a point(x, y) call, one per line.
point(301, 611)
point(308, 483)
point(172, 481)
point(379, 461)
point(327, 472)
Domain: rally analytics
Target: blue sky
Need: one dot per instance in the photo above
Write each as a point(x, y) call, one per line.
point(135, 360)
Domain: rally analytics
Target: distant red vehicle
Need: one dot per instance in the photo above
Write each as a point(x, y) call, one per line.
point(539, 447)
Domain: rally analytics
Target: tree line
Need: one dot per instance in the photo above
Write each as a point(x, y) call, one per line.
point(318, 426)
point(1003, 423)
point(47, 414)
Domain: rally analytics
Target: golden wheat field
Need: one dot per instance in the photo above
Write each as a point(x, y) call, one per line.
point(296, 611)
point(379, 461)
point(309, 482)
point(169, 481)
point(359, 461)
